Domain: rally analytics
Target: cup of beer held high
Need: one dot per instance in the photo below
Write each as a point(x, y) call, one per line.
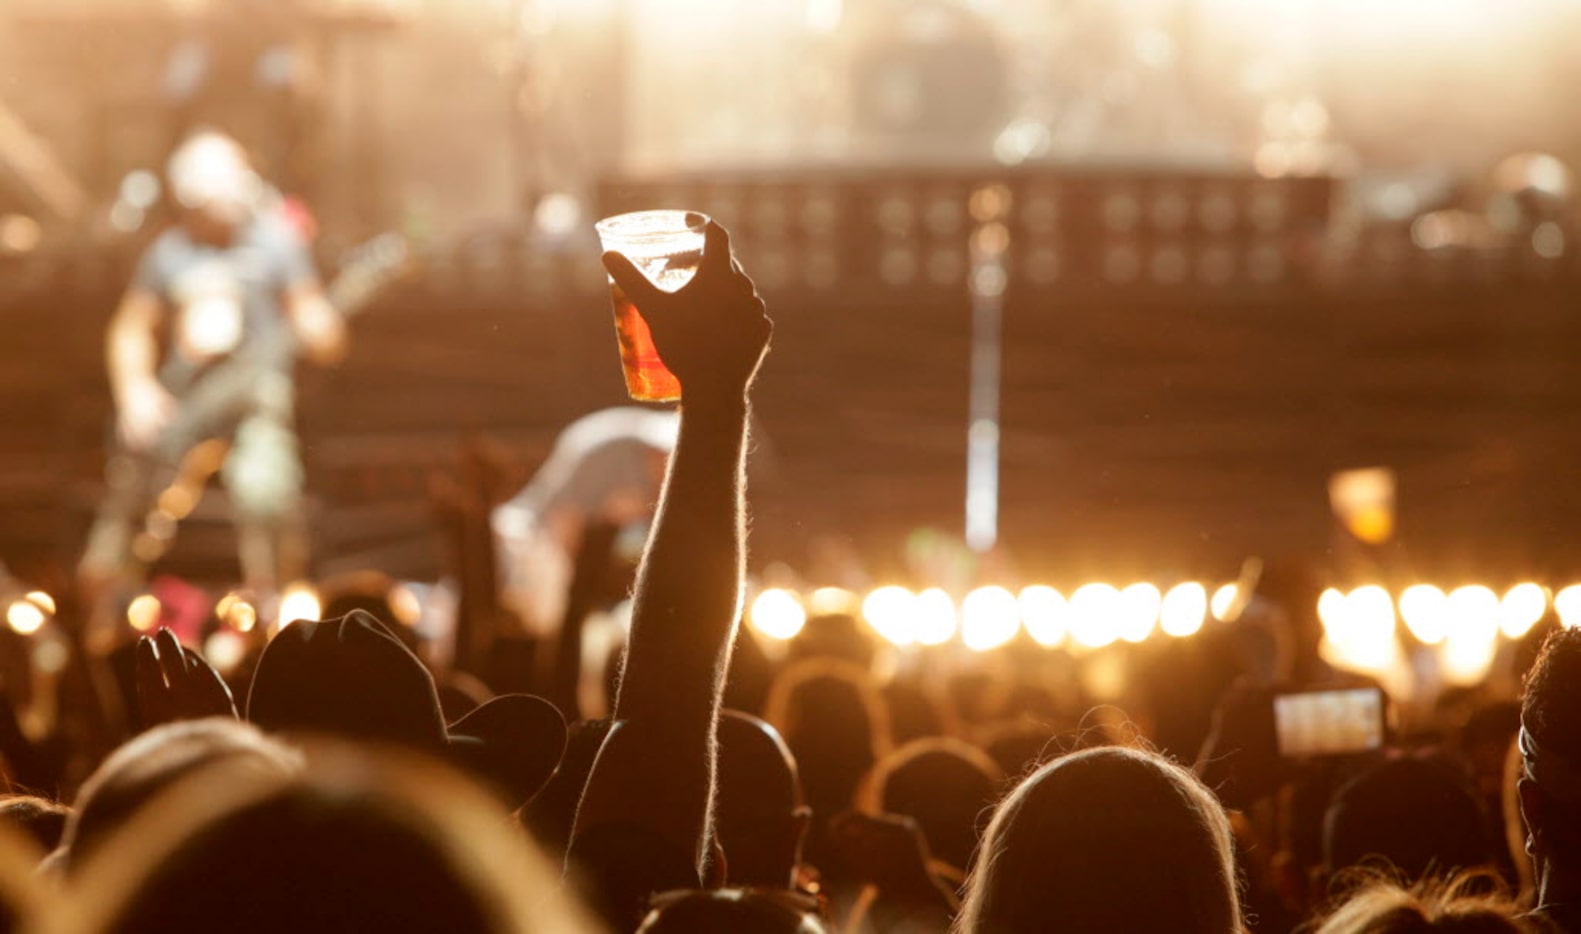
point(667, 247)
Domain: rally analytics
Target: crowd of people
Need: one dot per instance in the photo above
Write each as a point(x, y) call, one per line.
point(335, 780)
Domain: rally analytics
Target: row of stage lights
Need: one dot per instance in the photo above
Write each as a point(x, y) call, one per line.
point(1361, 624)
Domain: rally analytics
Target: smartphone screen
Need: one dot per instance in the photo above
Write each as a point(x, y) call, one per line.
point(1326, 723)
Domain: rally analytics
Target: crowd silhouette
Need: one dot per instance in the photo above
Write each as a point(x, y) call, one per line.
point(337, 781)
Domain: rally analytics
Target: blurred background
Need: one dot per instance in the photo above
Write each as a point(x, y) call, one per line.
point(1075, 291)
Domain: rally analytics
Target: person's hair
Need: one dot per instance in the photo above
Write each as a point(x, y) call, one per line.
point(944, 784)
point(727, 911)
point(1551, 707)
point(147, 764)
point(1466, 904)
point(1107, 839)
point(355, 842)
point(1551, 715)
point(38, 819)
point(759, 811)
point(1421, 815)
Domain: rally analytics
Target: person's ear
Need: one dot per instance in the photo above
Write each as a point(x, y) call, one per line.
point(1530, 796)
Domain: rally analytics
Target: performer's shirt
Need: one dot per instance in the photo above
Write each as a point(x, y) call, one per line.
point(226, 302)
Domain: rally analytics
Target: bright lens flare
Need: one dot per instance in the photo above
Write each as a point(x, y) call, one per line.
point(1094, 608)
point(777, 614)
point(1045, 614)
point(1472, 634)
point(1224, 601)
point(891, 612)
point(1184, 610)
point(143, 613)
point(1567, 603)
point(299, 602)
point(41, 600)
point(1139, 608)
point(990, 617)
point(1360, 628)
point(1425, 609)
point(829, 601)
point(935, 622)
point(24, 617)
point(1522, 608)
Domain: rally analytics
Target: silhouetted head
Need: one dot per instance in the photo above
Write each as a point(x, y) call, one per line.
point(1421, 815)
point(1108, 839)
point(945, 785)
point(760, 815)
point(148, 764)
point(731, 911)
point(835, 722)
point(352, 843)
point(1383, 907)
point(1550, 745)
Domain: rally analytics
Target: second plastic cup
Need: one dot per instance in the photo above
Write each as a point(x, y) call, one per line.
point(667, 246)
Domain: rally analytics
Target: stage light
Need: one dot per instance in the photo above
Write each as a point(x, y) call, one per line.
point(1139, 609)
point(1522, 608)
point(1567, 603)
point(1094, 608)
point(1331, 609)
point(828, 601)
point(1473, 631)
point(299, 601)
point(777, 614)
point(41, 600)
point(225, 650)
point(891, 611)
point(234, 610)
point(24, 617)
point(1425, 609)
point(1360, 628)
point(934, 618)
point(143, 613)
point(1045, 614)
point(990, 617)
point(1224, 601)
point(1473, 612)
point(1184, 610)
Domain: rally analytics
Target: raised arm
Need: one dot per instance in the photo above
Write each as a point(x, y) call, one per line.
point(143, 407)
point(655, 774)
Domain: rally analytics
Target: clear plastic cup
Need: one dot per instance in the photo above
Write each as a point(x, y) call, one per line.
point(667, 246)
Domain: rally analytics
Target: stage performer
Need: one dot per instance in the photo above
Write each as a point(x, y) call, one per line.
point(201, 354)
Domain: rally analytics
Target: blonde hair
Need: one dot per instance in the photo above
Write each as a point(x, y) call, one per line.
point(1470, 903)
point(510, 885)
point(1111, 838)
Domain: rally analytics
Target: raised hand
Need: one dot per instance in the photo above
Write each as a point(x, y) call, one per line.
point(711, 333)
point(176, 683)
point(146, 408)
